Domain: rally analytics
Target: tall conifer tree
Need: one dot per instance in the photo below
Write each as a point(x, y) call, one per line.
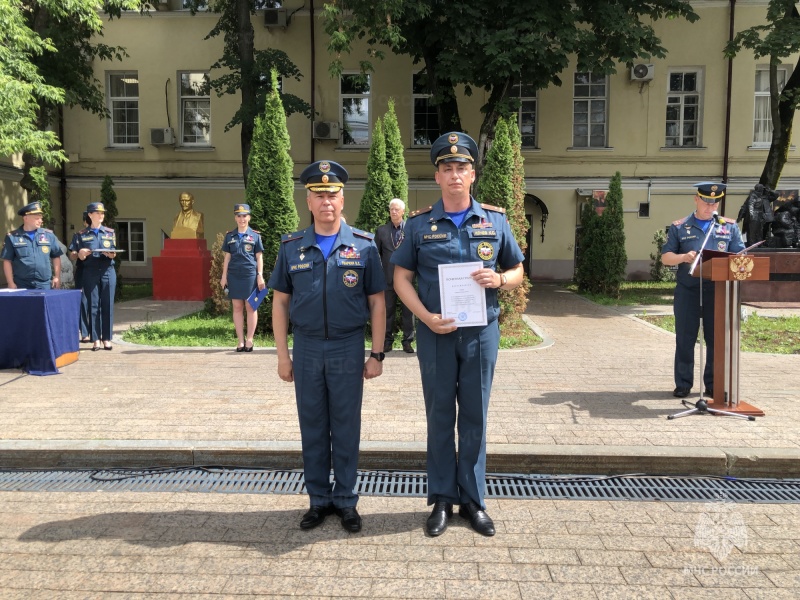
point(395, 159)
point(270, 187)
point(374, 209)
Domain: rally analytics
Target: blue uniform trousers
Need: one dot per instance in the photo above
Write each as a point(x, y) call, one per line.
point(84, 316)
point(687, 325)
point(98, 290)
point(30, 284)
point(329, 385)
point(457, 370)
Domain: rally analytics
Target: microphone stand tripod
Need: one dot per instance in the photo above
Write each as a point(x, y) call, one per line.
point(701, 406)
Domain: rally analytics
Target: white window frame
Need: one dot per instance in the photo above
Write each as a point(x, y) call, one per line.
point(765, 94)
point(524, 108)
point(126, 256)
point(111, 105)
point(421, 97)
point(682, 96)
point(182, 100)
point(367, 98)
point(590, 102)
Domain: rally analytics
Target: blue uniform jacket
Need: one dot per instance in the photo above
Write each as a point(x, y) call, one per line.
point(686, 235)
point(243, 251)
point(30, 260)
point(329, 298)
point(431, 239)
point(103, 241)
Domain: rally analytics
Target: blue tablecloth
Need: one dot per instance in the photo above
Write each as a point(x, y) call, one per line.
point(36, 327)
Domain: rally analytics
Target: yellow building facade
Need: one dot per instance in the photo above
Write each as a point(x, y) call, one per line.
point(662, 126)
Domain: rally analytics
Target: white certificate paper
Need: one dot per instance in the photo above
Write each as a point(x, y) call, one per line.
point(461, 297)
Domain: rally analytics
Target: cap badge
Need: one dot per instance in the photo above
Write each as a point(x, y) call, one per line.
point(324, 179)
point(434, 228)
point(714, 188)
point(324, 166)
point(453, 149)
point(452, 138)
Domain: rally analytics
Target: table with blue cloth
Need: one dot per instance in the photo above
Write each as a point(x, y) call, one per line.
point(39, 331)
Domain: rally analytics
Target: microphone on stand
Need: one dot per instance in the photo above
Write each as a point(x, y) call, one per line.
point(717, 219)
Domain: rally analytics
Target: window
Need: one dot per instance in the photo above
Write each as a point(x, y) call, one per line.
point(762, 121)
point(527, 113)
point(589, 111)
point(195, 109)
point(426, 121)
point(355, 91)
point(123, 104)
point(131, 239)
point(683, 110)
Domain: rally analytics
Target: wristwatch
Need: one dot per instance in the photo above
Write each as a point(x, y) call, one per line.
point(503, 280)
point(379, 356)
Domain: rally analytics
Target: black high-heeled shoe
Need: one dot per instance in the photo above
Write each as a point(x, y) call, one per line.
point(240, 349)
point(248, 348)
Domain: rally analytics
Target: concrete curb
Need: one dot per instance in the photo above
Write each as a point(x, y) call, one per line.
point(501, 458)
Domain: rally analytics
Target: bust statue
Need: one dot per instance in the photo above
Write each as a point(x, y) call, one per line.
point(188, 223)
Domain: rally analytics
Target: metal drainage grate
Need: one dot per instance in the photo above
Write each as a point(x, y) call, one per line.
point(408, 484)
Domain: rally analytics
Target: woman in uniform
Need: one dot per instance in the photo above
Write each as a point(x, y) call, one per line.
point(84, 317)
point(242, 272)
point(96, 246)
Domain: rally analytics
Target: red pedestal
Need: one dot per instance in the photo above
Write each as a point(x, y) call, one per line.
point(182, 271)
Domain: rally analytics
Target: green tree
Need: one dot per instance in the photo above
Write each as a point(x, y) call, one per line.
point(518, 297)
point(395, 158)
point(496, 187)
point(270, 187)
point(603, 259)
point(779, 39)
point(23, 88)
point(658, 271)
point(67, 62)
point(374, 209)
point(245, 70)
point(40, 192)
point(109, 199)
point(493, 49)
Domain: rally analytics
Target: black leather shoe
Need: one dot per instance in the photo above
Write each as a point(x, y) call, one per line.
point(387, 347)
point(681, 392)
point(407, 348)
point(351, 520)
point(315, 516)
point(480, 521)
point(437, 522)
point(709, 393)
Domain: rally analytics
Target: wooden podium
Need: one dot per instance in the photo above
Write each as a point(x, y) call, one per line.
point(728, 271)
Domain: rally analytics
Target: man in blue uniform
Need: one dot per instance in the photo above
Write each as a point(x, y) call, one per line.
point(456, 364)
point(684, 241)
point(328, 282)
point(32, 255)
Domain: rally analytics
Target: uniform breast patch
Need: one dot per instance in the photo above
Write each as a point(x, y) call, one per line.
point(350, 278)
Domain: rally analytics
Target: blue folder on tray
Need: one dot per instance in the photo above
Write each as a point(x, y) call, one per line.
point(257, 297)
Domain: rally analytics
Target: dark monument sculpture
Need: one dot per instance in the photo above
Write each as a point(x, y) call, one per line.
point(771, 216)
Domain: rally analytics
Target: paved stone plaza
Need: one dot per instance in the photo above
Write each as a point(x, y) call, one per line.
point(597, 393)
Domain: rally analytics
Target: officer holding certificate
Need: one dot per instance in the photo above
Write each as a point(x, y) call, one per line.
point(456, 229)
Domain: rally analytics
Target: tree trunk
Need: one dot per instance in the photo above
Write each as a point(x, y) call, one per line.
point(246, 48)
point(782, 121)
point(441, 87)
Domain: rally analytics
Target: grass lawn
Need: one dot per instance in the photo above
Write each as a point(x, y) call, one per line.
point(135, 291)
point(759, 334)
point(204, 329)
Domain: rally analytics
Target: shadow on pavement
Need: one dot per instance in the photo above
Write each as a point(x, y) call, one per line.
point(613, 405)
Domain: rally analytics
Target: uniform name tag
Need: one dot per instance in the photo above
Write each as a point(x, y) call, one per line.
point(87, 238)
point(435, 237)
point(483, 233)
point(354, 264)
point(299, 267)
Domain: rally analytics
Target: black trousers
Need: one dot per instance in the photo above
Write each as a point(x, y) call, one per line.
point(406, 315)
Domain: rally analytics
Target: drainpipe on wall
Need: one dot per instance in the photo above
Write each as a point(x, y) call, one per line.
point(62, 182)
point(313, 80)
point(729, 93)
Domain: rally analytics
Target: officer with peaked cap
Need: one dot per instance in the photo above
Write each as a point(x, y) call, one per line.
point(96, 246)
point(243, 272)
point(31, 254)
point(456, 363)
point(684, 240)
point(328, 282)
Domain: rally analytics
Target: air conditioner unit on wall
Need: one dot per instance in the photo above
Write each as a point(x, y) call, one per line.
point(275, 17)
point(326, 130)
point(162, 136)
point(642, 72)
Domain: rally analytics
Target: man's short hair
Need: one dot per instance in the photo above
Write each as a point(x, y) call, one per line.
point(397, 201)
